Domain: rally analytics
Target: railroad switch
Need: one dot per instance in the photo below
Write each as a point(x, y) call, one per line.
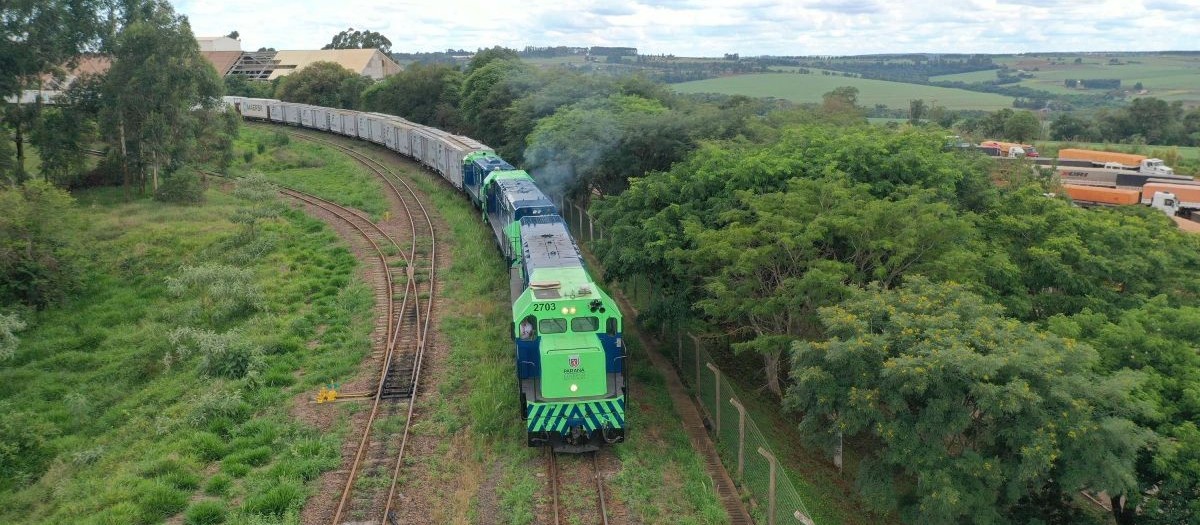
point(327, 393)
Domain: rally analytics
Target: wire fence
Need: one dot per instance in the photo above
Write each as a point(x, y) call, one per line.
point(744, 448)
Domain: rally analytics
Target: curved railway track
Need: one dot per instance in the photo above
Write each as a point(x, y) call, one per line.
point(377, 453)
point(555, 476)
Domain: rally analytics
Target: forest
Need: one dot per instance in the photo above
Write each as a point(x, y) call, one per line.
point(994, 349)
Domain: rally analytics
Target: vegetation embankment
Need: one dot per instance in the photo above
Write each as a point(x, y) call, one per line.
point(164, 383)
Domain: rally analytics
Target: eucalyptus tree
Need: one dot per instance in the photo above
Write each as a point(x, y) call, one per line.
point(157, 83)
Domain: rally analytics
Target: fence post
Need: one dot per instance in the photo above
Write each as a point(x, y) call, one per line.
point(678, 349)
point(741, 438)
point(580, 210)
point(591, 228)
point(696, 347)
point(771, 486)
point(716, 398)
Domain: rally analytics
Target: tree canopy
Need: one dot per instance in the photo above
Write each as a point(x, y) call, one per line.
point(324, 84)
point(362, 39)
point(982, 411)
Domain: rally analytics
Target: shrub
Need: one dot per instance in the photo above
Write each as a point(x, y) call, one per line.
point(9, 324)
point(221, 355)
point(182, 187)
point(223, 292)
point(225, 406)
point(205, 513)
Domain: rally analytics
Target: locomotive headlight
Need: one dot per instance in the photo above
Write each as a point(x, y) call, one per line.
point(564, 310)
point(574, 387)
point(571, 310)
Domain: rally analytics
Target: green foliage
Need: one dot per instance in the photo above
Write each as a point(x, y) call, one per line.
point(37, 264)
point(39, 36)
point(1059, 259)
point(981, 411)
point(423, 93)
point(484, 57)
point(237, 85)
point(221, 355)
point(1155, 339)
point(1022, 126)
point(25, 444)
point(60, 137)
point(364, 39)
point(181, 187)
point(151, 92)
point(223, 292)
point(324, 84)
point(601, 143)
point(9, 326)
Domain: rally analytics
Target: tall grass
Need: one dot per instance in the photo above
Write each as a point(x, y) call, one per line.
point(132, 422)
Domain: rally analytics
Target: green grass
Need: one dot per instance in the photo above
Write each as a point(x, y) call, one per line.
point(1163, 76)
point(131, 436)
point(308, 167)
point(809, 88)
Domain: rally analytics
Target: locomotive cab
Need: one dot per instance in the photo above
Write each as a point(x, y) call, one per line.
point(570, 355)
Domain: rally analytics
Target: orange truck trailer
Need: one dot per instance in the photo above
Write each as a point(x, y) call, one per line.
point(1170, 199)
point(1103, 196)
point(1010, 149)
point(1112, 159)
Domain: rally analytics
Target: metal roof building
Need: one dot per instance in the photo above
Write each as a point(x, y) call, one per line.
point(367, 62)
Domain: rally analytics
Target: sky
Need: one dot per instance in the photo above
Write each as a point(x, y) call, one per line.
point(715, 27)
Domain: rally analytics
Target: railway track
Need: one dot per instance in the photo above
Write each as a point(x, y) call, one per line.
point(557, 483)
point(380, 453)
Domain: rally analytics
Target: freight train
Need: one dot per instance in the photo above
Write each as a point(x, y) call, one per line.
point(570, 357)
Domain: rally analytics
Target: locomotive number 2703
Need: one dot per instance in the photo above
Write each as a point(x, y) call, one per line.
point(544, 307)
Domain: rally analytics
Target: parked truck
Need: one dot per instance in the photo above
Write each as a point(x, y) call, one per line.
point(1010, 150)
point(1113, 160)
point(1159, 196)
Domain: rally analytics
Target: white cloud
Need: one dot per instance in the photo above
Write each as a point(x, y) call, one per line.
point(712, 27)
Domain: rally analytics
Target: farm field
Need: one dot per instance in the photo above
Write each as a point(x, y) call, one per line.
point(1167, 77)
point(809, 88)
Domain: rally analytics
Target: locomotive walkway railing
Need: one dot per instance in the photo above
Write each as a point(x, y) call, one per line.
point(744, 449)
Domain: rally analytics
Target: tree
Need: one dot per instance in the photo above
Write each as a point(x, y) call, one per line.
point(978, 414)
point(423, 93)
point(61, 136)
point(842, 102)
point(323, 84)
point(39, 37)
point(1156, 339)
point(1069, 127)
point(157, 83)
point(237, 85)
point(1022, 126)
point(916, 110)
point(484, 57)
point(351, 39)
point(234, 35)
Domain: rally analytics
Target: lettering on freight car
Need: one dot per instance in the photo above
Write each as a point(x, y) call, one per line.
point(544, 307)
